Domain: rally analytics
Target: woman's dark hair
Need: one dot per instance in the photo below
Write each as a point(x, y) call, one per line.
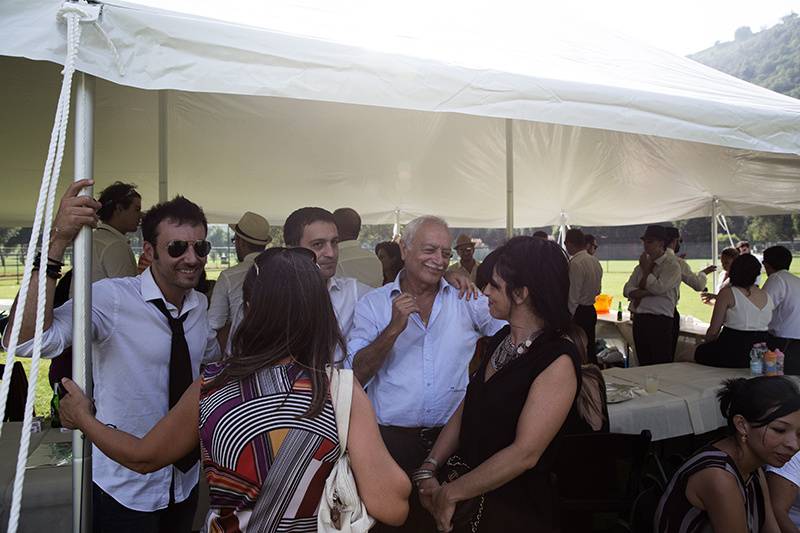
point(541, 266)
point(392, 249)
point(744, 270)
point(778, 257)
point(760, 400)
point(179, 210)
point(288, 313)
point(117, 194)
point(485, 270)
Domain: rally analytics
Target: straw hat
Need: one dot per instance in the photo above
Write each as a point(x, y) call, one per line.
point(463, 240)
point(252, 228)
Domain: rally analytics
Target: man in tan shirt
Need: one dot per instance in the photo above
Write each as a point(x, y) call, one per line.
point(354, 261)
point(467, 264)
point(120, 213)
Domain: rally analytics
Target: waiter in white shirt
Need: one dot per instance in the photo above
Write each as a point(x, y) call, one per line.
point(251, 236)
point(696, 281)
point(315, 228)
point(354, 261)
point(585, 281)
point(653, 292)
point(784, 288)
point(142, 361)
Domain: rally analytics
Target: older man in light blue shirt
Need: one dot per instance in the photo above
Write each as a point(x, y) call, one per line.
point(411, 344)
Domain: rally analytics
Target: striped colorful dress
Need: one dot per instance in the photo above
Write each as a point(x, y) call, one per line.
point(266, 465)
point(675, 514)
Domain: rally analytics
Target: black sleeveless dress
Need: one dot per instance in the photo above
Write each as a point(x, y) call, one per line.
point(489, 424)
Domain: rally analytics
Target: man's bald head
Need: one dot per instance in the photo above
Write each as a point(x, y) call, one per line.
point(348, 222)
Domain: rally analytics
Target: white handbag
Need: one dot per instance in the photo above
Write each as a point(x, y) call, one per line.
point(341, 508)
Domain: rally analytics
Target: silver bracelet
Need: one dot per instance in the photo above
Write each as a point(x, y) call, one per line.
point(430, 459)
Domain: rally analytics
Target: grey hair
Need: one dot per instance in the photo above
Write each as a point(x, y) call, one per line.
point(411, 228)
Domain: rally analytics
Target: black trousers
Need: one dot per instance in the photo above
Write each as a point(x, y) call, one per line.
point(791, 353)
point(676, 330)
point(730, 350)
point(586, 317)
point(110, 516)
point(652, 336)
point(409, 447)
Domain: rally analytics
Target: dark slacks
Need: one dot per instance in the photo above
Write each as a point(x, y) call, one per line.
point(676, 330)
point(652, 336)
point(409, 447)
point(586, 318)
point(110, 516)
point(791, 353)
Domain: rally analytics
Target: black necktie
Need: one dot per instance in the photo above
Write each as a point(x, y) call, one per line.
point(180, 373)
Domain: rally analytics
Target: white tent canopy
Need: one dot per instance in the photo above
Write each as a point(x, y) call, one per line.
point(306, 107)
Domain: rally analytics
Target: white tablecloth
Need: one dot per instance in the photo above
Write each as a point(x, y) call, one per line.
point(685, 403)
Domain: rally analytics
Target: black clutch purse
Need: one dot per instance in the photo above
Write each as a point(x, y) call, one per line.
point(467, 516)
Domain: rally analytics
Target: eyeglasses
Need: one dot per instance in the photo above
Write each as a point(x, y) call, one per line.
point(176, 249)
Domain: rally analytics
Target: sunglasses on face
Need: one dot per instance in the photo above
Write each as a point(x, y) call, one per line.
point(175, 249)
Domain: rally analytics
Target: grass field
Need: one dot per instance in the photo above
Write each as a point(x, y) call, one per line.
point(615, 274)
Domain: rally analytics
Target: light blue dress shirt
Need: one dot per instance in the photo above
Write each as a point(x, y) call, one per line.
point(425, 376)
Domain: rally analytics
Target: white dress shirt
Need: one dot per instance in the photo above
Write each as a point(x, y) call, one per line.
point(130, 367)
point(585, 279)
point(226, 298)
point(784, 288)
point(790, 472)
point(356, 262)
point(695, 280)
point(424, 377)
point(345, 294)
point(662, 283)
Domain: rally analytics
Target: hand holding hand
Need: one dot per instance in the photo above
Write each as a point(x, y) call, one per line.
point(443, 509)
point(75, 406)
point(427, 488)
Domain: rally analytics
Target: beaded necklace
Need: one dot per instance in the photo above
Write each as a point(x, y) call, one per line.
point(507, 351)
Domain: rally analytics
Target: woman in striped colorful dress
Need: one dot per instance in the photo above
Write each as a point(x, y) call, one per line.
point(722, 487)
point(267, 429)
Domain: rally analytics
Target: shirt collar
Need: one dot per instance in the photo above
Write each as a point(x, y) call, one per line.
point(663, 257)
point(251, 258)
point(579, 252)
point(150, 291)
point(394, 287)
point(112, 229)
point(349, 244)
point(334, 284)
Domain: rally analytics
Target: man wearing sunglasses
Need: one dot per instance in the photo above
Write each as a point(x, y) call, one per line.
point(149, 335)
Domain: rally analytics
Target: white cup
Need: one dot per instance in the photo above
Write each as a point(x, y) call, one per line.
point(651, 384)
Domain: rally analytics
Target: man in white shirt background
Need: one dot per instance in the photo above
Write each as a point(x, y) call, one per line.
point(411, 345)
point(142, 361)
point(653, 292)
point(696, 281)
point(251, 236)
point(315, 228)
point(354, 261)
point(784, 288)
point(585, 281)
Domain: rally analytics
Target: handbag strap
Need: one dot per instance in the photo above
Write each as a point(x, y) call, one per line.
point(341, 398)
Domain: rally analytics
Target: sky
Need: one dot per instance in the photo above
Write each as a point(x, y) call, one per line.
point(678, 26)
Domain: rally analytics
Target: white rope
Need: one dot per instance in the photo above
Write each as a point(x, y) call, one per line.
point(724, 223)
point(73, 14)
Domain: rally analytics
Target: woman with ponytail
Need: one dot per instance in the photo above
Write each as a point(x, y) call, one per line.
point(722, 488)
point(519, 402)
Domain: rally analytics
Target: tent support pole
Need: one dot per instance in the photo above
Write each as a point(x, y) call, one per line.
point(714, 241)
point(509, 178)
point(163, 178)
point(82, 309)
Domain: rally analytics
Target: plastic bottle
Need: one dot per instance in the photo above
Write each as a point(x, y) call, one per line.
point(779, 361)
point(756, 363)
point(771, 363)
point(619, 311)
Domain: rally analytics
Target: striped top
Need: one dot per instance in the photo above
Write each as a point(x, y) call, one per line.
point(266, 465)
point(675, 514)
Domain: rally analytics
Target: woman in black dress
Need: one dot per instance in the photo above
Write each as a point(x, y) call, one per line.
point(518, 403)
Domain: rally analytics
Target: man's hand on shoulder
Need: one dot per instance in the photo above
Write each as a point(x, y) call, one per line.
point(461, 281)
